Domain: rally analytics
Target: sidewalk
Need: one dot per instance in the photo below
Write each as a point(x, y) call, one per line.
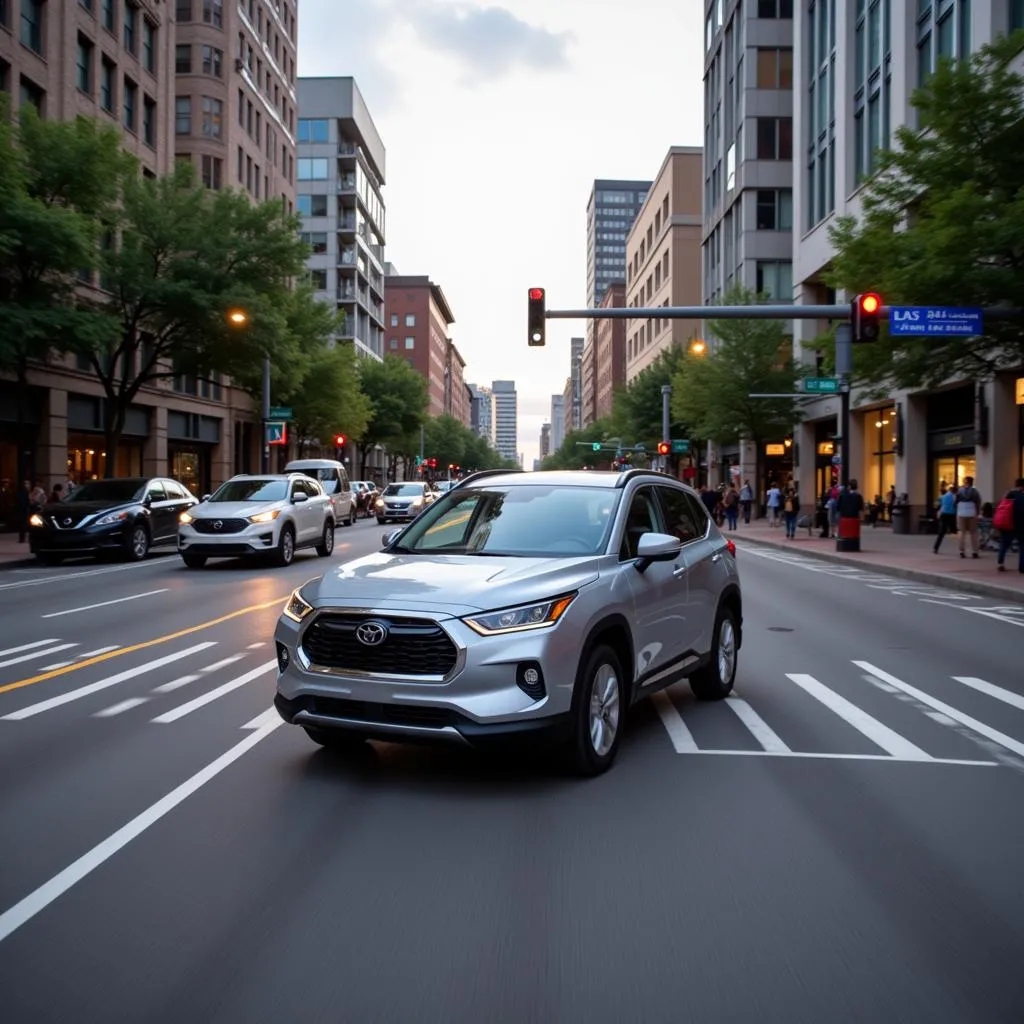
point(12, 553)
point(908, 556)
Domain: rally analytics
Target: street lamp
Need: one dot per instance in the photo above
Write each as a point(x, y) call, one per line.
point(698, 347)
point(239, 318)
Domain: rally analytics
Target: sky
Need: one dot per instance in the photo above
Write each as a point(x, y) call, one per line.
point(496, 119)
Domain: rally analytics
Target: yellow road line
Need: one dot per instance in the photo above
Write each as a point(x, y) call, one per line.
point(43, 676)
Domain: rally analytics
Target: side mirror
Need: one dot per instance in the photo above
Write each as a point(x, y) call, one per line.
point(205, 497)
point(389, 537)
point(656, 547)
point(299, 498)
point(148, 500)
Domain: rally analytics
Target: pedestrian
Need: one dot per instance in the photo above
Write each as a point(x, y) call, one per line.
point(968, 505)
point(773, 500)
point(1009, 521)
point(851, 502)
point(56, 494)
point(731, 502)
point(947, 516)
point(791, 510)
point(37, 498)
point(746, 500)
point(24, 509)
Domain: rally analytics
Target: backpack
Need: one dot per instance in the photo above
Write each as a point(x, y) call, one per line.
point(1003, 519)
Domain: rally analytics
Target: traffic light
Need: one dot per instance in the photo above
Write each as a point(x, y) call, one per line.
point(596, 446)
point(339, 441)
point(865, 312)
point(535, 317)
point(664, 448)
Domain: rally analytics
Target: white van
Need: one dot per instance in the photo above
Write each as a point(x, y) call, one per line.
point(333, 478)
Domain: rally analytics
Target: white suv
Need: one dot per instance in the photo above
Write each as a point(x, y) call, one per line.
point(334, 480)
point(272, 514)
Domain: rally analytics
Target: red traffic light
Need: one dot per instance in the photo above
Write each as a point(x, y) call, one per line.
point(870, 303)
point(339, 441)
point(664, 448)
point(536, 294)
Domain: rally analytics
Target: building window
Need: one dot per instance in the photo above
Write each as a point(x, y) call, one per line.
point(148, 46)
point(87, 4)
point(107, 14)
point(211, 170)
point(131, 94)
point(32, 24)
point(311, 206)
point(775, 69)
point(944, 30)
point(31, 95)
point(212, 109)
point(183, 10)
point(318, 280)
point(394, 320)
point(213, 12)
point(83, 68)
point(316, 240)
point(775, 280)
point(183, 115)
point(183, 59)
point(393, 343)
point(313, 170)
point(774, 138)
point(317, 130)
point(1016, 22)
point(821, 102)
point(774, 210)
point(410, 319)
point(131, 18)
point(872, 85)
point(107, 86)
point(212, 59)
point(149, 121)
point(775, 8)
point(410, 343)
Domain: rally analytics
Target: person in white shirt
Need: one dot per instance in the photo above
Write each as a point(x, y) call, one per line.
point(774, 503)
point(968, 505)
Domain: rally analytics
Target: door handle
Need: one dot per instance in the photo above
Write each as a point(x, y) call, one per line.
point(716, 557)
point(679, 570)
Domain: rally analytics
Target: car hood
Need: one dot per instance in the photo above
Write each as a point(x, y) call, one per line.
point(232, 509)
point(447, 584)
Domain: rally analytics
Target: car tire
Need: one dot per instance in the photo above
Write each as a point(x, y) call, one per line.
point(351, 521)
point(326, 546)
point(193, 561)
point(381, 522)
point(285, 554)
point(715, 680)
point(598, 713)
point(137, 546)
point(340, 740)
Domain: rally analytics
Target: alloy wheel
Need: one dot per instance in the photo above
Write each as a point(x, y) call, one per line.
point(604, 710)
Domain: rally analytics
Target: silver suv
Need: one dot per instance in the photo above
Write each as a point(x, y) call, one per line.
point(519, 604)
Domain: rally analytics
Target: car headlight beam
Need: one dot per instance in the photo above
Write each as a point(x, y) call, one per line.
point(112, 517)
point(265, 517)
point(297, 607)
point(185, 518)
point(522, 618)
point(35, 520)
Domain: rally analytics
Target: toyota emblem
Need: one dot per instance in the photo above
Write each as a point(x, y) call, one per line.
point(372, 634)
point(217, 525)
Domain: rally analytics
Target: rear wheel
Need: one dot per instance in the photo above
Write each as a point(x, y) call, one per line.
point(715, 679)
point(326, 545)
point(351, 516)
point(598, 712)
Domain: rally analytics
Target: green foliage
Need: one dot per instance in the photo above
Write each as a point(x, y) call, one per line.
point(445, 439)
point(712, 391)
point(577, 448)
point(397, 397)
point(637, 413)
point(943, 222)
point(328, 400)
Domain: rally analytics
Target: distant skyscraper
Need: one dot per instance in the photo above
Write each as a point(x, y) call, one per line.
point(557, 422)
point(545, 440)
point(506, 418)
point(481, 413)
point(611, 210)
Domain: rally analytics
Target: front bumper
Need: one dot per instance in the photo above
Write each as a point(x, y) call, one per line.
point(88, 541)
point(403, 515)
point(479, 702)
point(255, 539)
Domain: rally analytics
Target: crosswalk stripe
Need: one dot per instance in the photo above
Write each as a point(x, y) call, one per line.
point(958, 716)
point(28, 647)
point(176, 684)
point(881, 735)
point(1006, 696)
point(220, 691)
point(36, 654)
point(758, 727)
point(118, 709)
point(681, 737)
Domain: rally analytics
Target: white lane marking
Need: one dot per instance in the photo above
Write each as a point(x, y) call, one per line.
point(680, 736)
point(757, 726)
point(958, 716)
point(268, 716)
point(37, 654)
point(1006, 696)
point(121, 677)
point(104, 604)
point(223, 663)
point(257, 645)
point(35, 902)
point(29, 647)
point(98, 652)
point(993, 613)
point(55, 665)
point(175, 684)
point(62, 577)
point(881, 735)
point(117, 709)
point(844, 757)
point(220, 691)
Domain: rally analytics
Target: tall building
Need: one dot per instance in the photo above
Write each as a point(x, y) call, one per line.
point(506, 418)
point(545, 440)
point(748, 148)
point(588, 381)
point(340, 181)
point(611, 210)
point(609, 353)
point(419, 318)
point(568, 423)
point(481, 416)
point(557, 420)
point(913, 441)
point(235, 100)
point(574, 385)
point(663, 259)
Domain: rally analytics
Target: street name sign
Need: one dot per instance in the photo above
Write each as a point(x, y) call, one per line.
point(936, 321)
point(680, 447)
point(821, 385)
point(280, 412)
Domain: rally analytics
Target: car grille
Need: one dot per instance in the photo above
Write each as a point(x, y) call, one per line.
point(413, 647)
point(67, 522)
point(225, 525)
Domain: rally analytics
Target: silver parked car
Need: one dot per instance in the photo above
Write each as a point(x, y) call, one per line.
point(519, 604)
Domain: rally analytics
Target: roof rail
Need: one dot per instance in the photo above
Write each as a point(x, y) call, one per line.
point(631, 474)
point(480, 475)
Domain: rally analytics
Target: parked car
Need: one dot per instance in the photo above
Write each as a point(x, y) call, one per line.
point(268, 515)
point(519, 605)
point(333, 478)
point(400, 502)
point(125, 516)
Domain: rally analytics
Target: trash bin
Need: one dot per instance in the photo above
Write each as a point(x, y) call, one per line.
point(900, 519)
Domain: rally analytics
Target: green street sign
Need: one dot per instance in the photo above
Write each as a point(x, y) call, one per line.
point(596, 446)
point(680, 447)
point(280, 412)
point(821, 385)
point(419, 460)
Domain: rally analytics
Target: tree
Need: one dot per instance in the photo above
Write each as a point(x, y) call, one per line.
point(329, 401)
point(638, 409)
point(180, 258)
point(943, 222)
point(712, 391)
point(445, 440)
point(397, 396)
point(59, 181)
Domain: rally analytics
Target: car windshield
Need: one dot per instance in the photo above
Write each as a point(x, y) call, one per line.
point(108, 490)
point(328, 478)
point(251, 490)
point(404, 491)
point(526, 520)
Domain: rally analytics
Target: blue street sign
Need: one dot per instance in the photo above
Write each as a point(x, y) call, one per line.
point(936, 321)
point(275, 433)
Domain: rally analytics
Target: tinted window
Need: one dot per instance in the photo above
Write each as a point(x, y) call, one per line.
point(642, 518)
point(252, 490)
point(404, 491)
point(114, 491)
point(175, 492)
point(700, 514)
point(527, 520)
point(679, 514)
point(313, 488)
point(328, 478)
point(156, 491)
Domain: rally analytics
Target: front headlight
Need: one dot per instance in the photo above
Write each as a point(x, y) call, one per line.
point(517, 620)
point(35, 520)
point(185, 518)
point(112, 517)
point(265, 517)
point(379, 501)
point(297, 607)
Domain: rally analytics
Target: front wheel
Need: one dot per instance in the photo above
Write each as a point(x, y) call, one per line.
point(598, 712)
point(285, 553)
point(715, 679)
point(380, 521)
point(326, 545)
point(138, 543)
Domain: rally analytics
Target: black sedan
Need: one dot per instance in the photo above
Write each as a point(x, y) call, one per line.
point(125, 516)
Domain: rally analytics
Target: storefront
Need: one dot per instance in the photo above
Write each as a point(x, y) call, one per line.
point(880, 438)
point(87, 455)
point(951, 440)
point(825, 473)
point(191, 440)
point(778, 464)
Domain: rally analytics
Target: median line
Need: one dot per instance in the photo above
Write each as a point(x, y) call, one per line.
point(54, 673)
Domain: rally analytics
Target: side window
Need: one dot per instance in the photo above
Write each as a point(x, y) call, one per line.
point(156, 491)
point(642, 518)
point(175, 492)
point(298, 488)
point(346, 484)
point(678, 514)
point(313, 488)
point(451, 528)
point(700, 515)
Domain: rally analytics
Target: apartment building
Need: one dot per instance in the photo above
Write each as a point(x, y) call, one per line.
point(854, 79)
point(481, 414)
point(557, 420)
point(663, 256)
point(545, 440)
point(588, 382)
point(340, 178)
point(506, 418)
point(609, 353)
point(574, 385)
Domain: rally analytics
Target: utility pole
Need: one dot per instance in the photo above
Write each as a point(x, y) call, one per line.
point(844, 367)
point(265, 460)
point(666, 421)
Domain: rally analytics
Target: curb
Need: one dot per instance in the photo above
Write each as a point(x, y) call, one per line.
point(933, 579)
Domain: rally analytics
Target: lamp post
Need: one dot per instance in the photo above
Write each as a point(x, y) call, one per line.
point(699, 347)
point(239, 318)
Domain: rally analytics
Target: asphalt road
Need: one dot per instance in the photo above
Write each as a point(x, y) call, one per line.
point(841, 842)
